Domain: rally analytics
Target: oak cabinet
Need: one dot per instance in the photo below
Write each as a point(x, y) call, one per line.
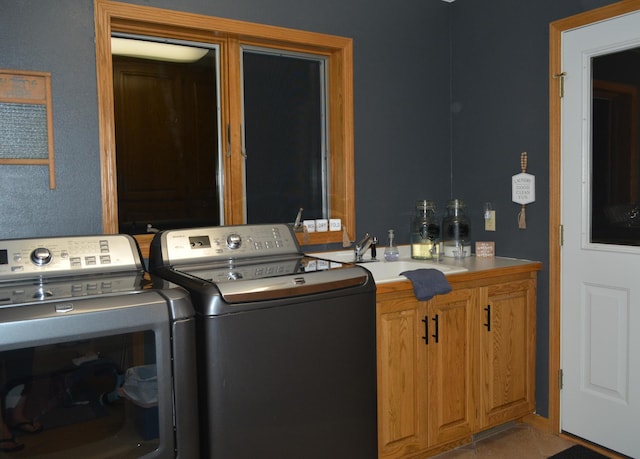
point(402, 376)
point(507, 352)
point(454, 365)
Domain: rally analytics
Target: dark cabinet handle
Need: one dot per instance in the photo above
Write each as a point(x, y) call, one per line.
point(435, 335)
point(488, 324)
point(426, 329)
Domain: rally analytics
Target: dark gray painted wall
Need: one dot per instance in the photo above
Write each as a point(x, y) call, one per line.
point(406, 136)
point(401, 72)
point(500, 109)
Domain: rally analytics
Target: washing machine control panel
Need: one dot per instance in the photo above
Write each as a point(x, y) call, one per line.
point(227, 242)
point(64, 256)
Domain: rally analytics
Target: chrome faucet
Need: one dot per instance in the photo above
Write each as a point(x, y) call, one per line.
point(363, 245)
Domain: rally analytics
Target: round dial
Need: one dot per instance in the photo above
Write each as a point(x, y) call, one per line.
point(234, 241)
point(41, 256)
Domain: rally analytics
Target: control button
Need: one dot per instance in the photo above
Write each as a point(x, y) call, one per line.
point(64, 307)
point(41, 293)
point(41, 256)
point(17, 269)
point(76, 262)
point(64, 254)
point(105, 259)
point(90, 261)
point(17, 257)
point(234, 241)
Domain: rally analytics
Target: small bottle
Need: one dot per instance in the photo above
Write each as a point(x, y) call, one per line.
point(425, 231)
point(391, 252)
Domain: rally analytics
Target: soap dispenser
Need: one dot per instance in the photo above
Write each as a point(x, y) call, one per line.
point(391, 252)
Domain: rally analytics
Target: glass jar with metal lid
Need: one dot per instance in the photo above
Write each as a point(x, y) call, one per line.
point(456, 230)
point(425, 231)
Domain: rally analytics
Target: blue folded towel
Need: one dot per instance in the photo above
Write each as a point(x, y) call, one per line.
point(427, 283)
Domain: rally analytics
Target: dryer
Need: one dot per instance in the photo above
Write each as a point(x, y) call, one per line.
point(104, 362)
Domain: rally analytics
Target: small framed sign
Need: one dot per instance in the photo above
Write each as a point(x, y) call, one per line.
point(485, 249)
point(26, 120)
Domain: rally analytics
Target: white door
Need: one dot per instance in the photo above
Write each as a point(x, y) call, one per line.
point(600, 331)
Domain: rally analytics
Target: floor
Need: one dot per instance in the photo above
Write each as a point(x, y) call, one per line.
point(520, 441)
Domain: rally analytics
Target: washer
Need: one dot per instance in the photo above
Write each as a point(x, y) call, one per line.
point(286, 343)
point(90, 351)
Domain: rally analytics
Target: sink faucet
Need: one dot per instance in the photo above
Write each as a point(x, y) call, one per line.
point(364, 244)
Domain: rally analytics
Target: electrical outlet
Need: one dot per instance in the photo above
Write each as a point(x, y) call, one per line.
point(490, 223)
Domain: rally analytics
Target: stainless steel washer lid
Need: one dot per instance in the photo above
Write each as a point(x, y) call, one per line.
point(272, 283)
point(246, 264)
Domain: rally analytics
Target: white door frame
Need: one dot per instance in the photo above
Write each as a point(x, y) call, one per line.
point(555, 196)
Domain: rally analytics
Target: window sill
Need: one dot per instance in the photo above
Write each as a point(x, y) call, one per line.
point(326, 237)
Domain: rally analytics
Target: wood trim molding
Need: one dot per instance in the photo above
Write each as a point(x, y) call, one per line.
point(556, 29)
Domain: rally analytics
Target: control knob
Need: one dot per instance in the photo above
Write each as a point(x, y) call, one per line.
point(234, 241)
point(41, 256)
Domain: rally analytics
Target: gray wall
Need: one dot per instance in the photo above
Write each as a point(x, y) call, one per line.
point(436, 84)
point(500, 108)
point(400, 67)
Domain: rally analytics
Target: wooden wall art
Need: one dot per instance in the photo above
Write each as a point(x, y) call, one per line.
point(26, 120)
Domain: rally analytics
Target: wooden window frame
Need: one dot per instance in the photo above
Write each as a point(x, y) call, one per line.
point(230, 34)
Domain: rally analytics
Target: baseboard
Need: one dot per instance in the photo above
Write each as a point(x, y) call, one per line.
point(539, 422)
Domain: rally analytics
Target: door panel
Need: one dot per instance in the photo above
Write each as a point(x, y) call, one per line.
point(605, 372)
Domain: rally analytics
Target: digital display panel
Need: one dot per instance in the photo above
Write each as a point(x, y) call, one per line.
point(3, 257)
point(199, 242)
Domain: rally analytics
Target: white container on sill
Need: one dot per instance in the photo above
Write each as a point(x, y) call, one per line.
point(322, 225)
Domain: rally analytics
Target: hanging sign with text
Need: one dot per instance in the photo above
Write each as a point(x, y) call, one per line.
point(523, 188)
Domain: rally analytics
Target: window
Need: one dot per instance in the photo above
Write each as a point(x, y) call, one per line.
point(245, 50)
point(166, 134)
point(284, 135)
point(615, 168)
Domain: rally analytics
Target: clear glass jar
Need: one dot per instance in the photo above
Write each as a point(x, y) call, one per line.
point(456, 230)
point(425, 231)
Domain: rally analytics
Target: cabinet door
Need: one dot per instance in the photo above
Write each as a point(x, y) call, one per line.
point(449, 362)
point(507, 351)
point(402, 376)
